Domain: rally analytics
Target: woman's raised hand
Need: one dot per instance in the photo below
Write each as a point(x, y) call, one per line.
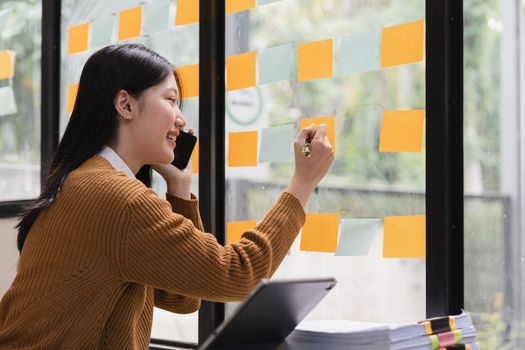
point(309, 171)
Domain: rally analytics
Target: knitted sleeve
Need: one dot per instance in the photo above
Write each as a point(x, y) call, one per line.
point(165, 250)
point(171, 301)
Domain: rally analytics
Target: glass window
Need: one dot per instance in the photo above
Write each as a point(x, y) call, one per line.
point(494, 181)
point(154, 24)
point(338, 62)
point(20, 83)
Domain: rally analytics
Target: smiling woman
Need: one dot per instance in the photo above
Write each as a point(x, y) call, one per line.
point(99, 249)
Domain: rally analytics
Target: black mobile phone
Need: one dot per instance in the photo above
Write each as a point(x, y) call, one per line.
point(183, 150)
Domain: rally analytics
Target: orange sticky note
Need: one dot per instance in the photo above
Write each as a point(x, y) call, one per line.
point(404, 237)
point(78, 38)
point(240, 71)
point(402, 131)
point(71, 97)
point(320, 233)
point(189, 76)
point(315, 60)
point(187, 12)
point(330, 126)
point(195, 159)
point(234, 230)
point(242, 148)
point(130, 23)
point(7, 64)
point(402, 44)
point(239, 5)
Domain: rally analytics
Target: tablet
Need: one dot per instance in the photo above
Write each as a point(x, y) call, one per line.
point(269, 314)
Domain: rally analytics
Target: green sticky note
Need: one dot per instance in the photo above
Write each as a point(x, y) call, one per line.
point(156, 16)
point(7, 101)
point(264, 2)
point(275, 64)
point(359, 53)
point(102, 31)
point(4, 15)
point(356, 236)
point(277, 144)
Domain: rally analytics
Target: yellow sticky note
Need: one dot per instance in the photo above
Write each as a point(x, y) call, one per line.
point(195, 159)
point(187, 12)
point(239, 5)
point(234, 230)
point(78, 38)
point(7, 64)
point(404, 237)
point(330, 126)
point(71, 97)
point(242, 148)
point(240, 71)
point(320, 232)
point(130, 23)
point(402, 131)
point(189, 76)
point(402, 44)
point(315, 60)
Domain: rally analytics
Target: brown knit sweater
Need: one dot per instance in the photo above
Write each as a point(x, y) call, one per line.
point(109, 249)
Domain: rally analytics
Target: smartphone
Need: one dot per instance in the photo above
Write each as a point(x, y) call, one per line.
point(183, 150)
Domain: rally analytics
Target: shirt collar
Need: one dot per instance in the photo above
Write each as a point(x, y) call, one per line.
point(111, 156)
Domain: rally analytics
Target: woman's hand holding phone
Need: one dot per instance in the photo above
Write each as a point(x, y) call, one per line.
point(178, 181)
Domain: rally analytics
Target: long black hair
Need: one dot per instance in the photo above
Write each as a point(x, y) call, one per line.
point(93, 122)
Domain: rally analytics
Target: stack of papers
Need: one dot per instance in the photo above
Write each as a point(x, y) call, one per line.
point(450, 332)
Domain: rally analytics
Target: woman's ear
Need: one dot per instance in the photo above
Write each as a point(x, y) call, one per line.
point(124, 105)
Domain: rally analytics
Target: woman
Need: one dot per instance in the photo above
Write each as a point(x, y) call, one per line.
point(99, 248)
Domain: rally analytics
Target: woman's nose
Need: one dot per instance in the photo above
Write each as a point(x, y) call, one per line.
point(180, 122)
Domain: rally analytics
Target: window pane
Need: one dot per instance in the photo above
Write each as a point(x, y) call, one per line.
point(95, 25)
point(20, 83)
point(346, 63)
point(494, 250)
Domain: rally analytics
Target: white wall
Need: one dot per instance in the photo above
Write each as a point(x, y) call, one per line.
point(8, 253)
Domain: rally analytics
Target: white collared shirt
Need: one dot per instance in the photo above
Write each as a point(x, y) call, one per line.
point(111, 156)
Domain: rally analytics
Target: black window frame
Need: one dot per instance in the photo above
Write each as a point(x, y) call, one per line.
point(444, 145)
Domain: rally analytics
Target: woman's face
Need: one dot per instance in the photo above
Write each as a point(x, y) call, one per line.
point(158, 116)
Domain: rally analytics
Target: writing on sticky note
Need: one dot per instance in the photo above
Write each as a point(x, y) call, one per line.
point(195, 159)
point(187, 12)
point(130, 23)
point(71, 97)
point(7, 101)
point(404, 237)
point(7, 64)
point(277, 144)
point(315, 60)
point(78, 38)
point(240, 71)
point(239, 5)
point(402, 44)
point(330, 126)
point(356, 236)
point(242, 148)
point(189, 76)
point(235, 229)
point(319, 233)
point(402, 131)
